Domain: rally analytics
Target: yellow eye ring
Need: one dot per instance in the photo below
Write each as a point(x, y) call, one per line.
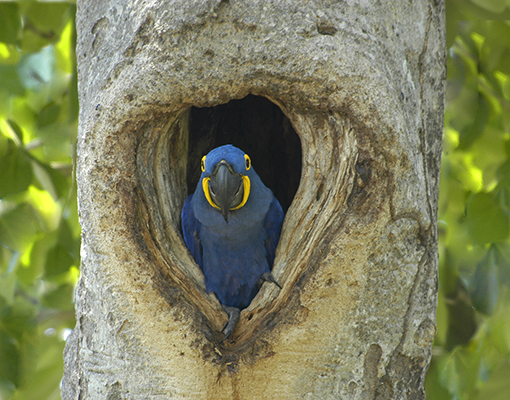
point(247, 161)
point(202, 164)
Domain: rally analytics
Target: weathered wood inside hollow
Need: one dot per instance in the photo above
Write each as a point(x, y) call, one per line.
point(362, 85)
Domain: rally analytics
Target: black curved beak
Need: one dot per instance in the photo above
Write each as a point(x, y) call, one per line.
point(226, 188)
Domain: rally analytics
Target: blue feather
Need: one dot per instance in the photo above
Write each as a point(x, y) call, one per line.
point(233, 255)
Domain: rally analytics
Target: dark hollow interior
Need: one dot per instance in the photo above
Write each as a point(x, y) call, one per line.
point(259, 128)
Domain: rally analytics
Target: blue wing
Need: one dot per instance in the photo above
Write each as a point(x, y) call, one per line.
point(190, 230)
point(273, 226)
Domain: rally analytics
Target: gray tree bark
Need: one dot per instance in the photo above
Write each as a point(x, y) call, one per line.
point(362, 84)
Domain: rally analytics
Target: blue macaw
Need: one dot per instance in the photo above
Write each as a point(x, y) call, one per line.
point(232, 225)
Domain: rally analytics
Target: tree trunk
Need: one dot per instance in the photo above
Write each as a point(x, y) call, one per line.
point(362, 86)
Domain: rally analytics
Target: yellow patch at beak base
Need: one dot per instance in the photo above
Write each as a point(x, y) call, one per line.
point(246, 192)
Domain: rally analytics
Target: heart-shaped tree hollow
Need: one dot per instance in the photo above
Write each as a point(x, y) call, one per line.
point(362, 85)
point(322, 162)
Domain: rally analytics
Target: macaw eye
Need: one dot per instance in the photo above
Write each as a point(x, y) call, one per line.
point(202, 163)
point(247, 162)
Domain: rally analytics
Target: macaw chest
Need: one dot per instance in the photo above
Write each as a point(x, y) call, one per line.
point(233, 264)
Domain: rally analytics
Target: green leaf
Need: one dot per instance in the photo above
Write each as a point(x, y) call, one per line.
point(503, 198)
point(453, 15)
point(7, 285)
point(18, 228)
point(495, 6)
point(39, 107)
point(55, 16)
point(497, 386)
point(471, 11)
point(475, 205)
point(18, 337)
point(59, 298)
point(485, 283)
point(58, 262)
point(9, 360)
point(433, 385)
point(497, 51)
point(40, 31)
point(459, 371)
point(16, 170)
point(472, 132)
point(461, 318)
point(51, 180)
point(487, 222)
point(9, 80)
point(503, 261)
point(10, 23)
point(45, 382)
point(16, 129)
point(48, 114)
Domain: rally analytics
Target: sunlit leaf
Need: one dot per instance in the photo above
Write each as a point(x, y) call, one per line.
point(18, 228)
point(48, 210)
point(52, 180)
point(65, 49)
point(28, 272)
point(55, 17)
point(16, 129)
point(38, 216)
point(492, 142)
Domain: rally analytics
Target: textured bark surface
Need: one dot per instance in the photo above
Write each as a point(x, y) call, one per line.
point(362, 85)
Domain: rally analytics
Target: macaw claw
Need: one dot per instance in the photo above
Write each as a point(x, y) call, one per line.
point(233, 318)
point(268, 277)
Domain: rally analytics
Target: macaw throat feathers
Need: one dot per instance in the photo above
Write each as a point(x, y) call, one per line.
point(246, 193)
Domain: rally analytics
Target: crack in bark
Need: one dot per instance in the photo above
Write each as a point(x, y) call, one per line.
point(423, 146)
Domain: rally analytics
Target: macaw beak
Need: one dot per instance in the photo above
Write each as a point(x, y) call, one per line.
point(226, 188)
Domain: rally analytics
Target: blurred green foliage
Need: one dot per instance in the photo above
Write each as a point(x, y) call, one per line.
point(39, 231)
point(471, 353)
